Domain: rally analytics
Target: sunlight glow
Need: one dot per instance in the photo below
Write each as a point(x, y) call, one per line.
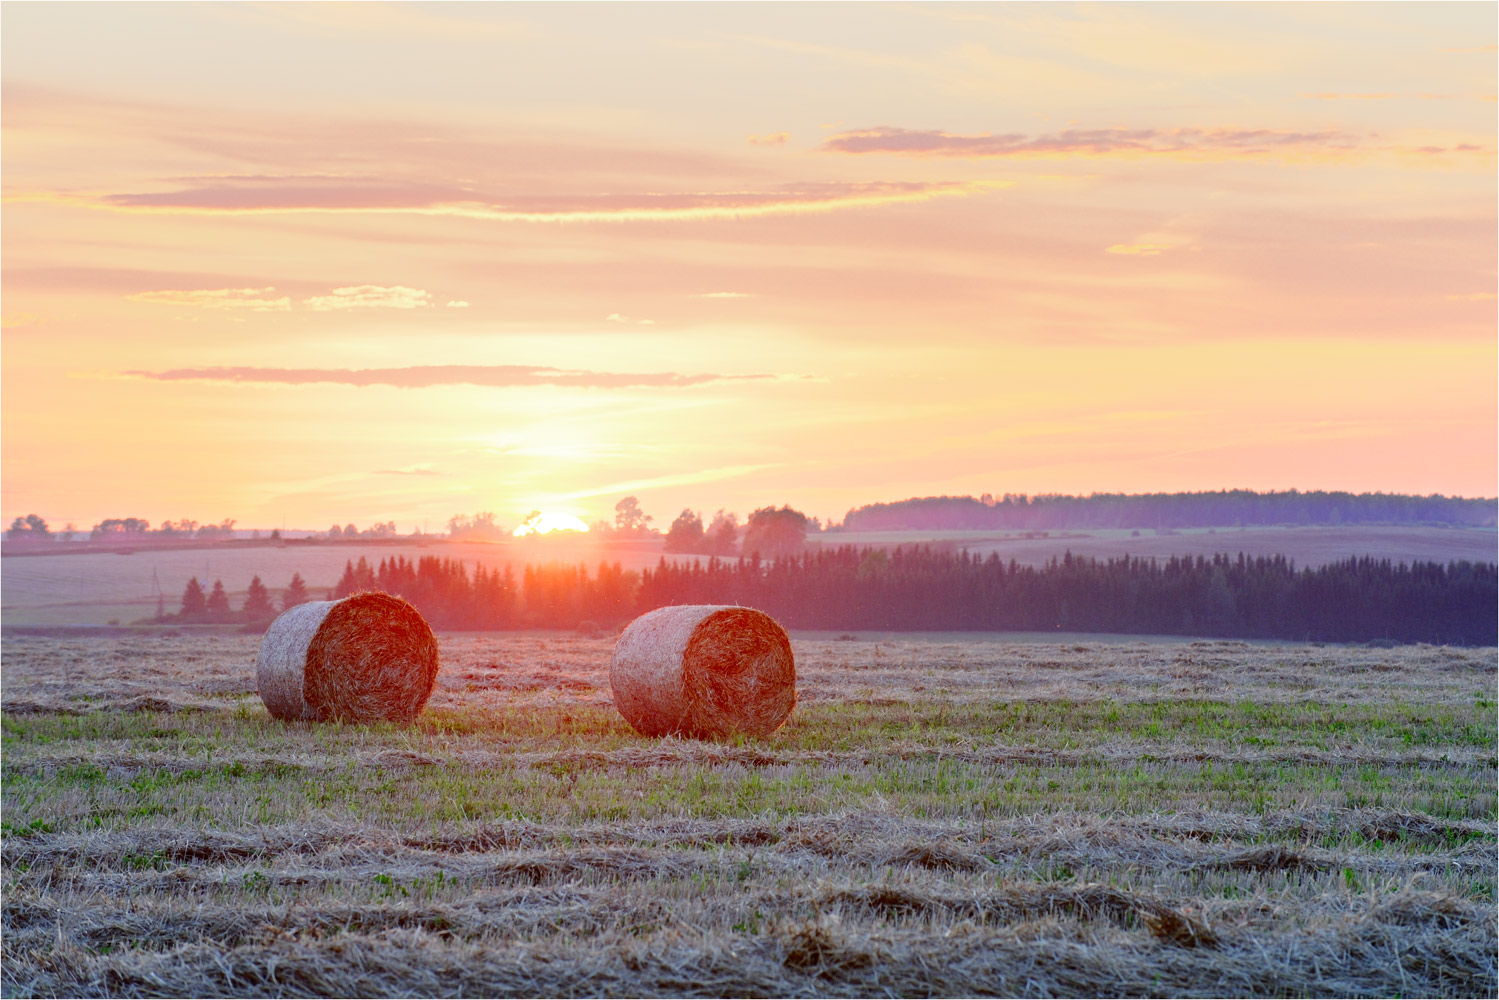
point(538, 523)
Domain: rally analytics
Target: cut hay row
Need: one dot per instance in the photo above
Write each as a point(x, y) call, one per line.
point(337, 871)
point(1178, 842)
point(411, 948)
point(669, 753)
point(496, 914)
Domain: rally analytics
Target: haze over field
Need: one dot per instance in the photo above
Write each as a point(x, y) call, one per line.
point(290, 263)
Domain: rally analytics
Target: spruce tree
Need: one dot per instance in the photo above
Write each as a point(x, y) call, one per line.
point(218, 601)
point(193, 602)
point(294, 594)
point(258, 602)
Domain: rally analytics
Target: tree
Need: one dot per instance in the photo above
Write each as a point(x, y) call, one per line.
point(295, 593)
point(218, 601)
point(217, 531)
point(193, 601)
point(723, 534)
point(629, 519)
point(335, 532)
point(479, 527)
point(775, 533)
point(30, 528)
point(686, 534)
point(258, 604)
point(116, 528)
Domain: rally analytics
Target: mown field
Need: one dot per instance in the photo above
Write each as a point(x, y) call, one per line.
point(938, 818)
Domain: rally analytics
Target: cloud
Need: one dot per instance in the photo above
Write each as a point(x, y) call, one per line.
point(406, 472)
point(254, 299)
point(1385, 96)
point(1090, 142)
point(458, 304)
point(370, 297)
point(1153, 244)
point(674, 479)
point(300, 149)
point(261, 194)
point(427, 376)
point(1472, 297)
point(1139, 249)
point(618, 318)
point(774, 139)
point(725, 295)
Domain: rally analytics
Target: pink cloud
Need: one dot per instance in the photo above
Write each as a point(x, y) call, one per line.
point(298, 194)
point(427, 376)
point(1090, 142)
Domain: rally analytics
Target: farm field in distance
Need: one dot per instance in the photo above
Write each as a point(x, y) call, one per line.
point(1068, 818)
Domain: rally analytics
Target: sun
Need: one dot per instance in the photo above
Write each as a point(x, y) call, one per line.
point(537, 523)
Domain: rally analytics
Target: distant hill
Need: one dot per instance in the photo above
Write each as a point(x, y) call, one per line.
point(1226, 508)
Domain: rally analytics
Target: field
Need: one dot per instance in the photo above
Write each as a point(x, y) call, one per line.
point(98, 587)
point(938, 818)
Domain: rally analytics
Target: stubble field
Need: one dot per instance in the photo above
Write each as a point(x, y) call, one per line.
point(938, 818)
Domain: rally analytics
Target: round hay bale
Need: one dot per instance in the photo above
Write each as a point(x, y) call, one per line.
point(704, 670)
point(370, 657)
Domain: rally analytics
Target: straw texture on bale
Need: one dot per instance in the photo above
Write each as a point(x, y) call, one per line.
point(370, 657)
point(705, 671)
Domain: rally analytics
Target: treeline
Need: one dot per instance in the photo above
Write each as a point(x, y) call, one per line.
point(556, 595)
point(1226, 508)
point(921, 589)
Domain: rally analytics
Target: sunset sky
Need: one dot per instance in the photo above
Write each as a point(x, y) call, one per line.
point(311, 263)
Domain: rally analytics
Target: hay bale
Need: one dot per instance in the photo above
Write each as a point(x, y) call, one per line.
point(367, 658)
point(704, 670)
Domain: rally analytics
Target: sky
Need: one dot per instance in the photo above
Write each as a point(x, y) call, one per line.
point(306, 264)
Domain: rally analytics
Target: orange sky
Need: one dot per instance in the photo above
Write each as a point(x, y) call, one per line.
point(311, 263)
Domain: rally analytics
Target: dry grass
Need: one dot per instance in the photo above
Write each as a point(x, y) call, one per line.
point(936, 819)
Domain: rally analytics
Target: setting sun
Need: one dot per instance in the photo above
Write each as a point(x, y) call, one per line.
point(538, 523)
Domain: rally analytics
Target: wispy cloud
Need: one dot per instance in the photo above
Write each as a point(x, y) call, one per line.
point(1388, 96)
point(774, 139)
point(284, 195)
point(675, 479)
point(1090, 142)
point(725, 295)
point(628, 321)
point(253, 299)
point(1152, 244)
point(1473, 297)
point(1139, 249)
point(406, 472)
point(370, 297)
point(457, 304)
point(427, 376)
